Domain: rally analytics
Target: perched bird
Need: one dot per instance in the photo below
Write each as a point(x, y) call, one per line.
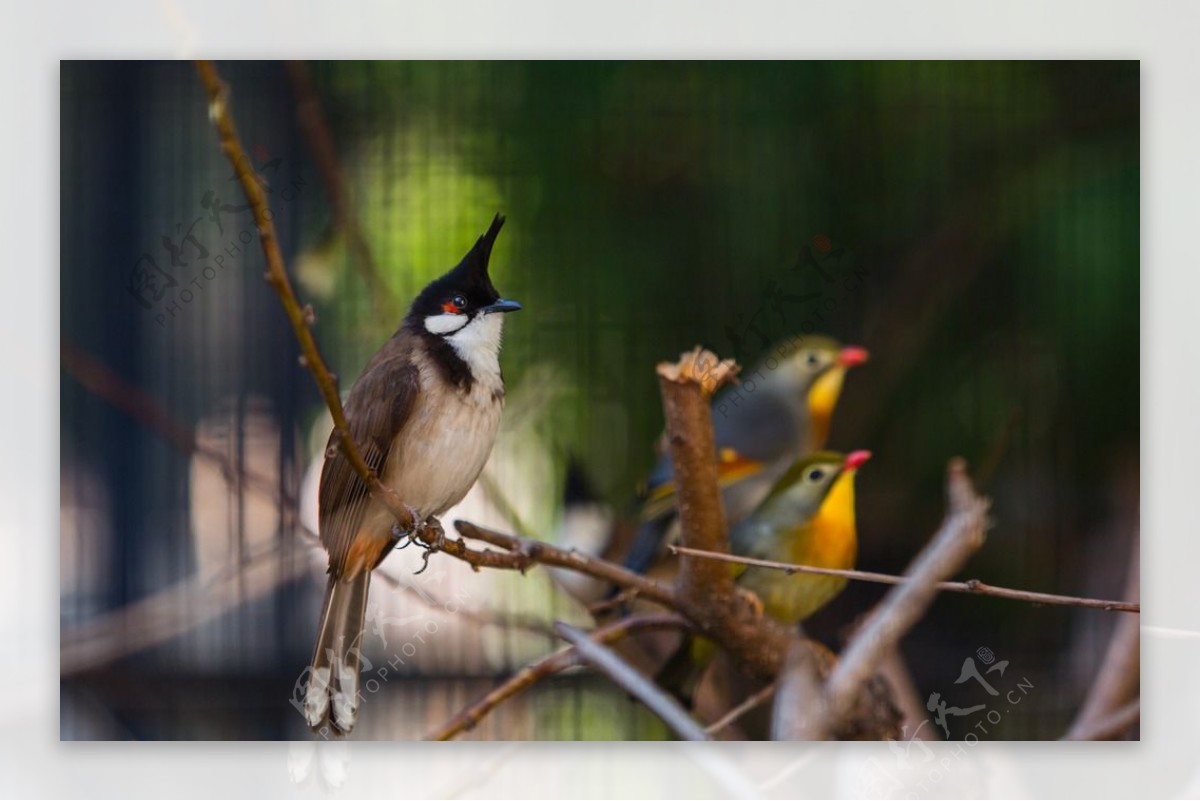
point(424, 414)
point(807, 518)
point(780, 411)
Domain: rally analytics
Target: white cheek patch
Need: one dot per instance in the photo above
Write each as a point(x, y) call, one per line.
point(445, 323)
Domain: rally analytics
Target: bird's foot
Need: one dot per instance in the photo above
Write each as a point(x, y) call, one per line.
point(410, 535)
point(439, 540)
point(754, 602)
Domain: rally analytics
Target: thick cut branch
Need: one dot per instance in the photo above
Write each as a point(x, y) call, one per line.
point(547, 666)
point(627, 678)
point(687, 388)
point(705, 590)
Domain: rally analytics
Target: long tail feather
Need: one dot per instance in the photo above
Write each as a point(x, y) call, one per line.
point(332, 696)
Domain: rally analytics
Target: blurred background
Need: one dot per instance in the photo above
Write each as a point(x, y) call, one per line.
point(979, 222)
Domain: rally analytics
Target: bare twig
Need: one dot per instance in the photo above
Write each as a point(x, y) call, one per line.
point(1109, 727)
point(705, 590)
point(300, 319)
point(970, 586)
point(528, 552)
point(99, 379)
point(1117, 679)
point(548, 665)
point(608, 604)
point(320, 142)
point(627, 678)
point(732, 716)
point(311, 357)
point(277, 277)
point(961, 535)
point(174, 610)
point(708, 596)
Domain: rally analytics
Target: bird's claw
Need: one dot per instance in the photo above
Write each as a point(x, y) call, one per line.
point(409, 536)
point(754, 602)
point(439, 540)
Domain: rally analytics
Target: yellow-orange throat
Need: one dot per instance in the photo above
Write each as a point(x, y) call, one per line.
point(822, 399)
point(834, 540)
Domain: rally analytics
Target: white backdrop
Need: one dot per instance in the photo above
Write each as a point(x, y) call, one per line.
point(36, 36)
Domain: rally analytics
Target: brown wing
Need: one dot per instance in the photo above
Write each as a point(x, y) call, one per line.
point(378, 407)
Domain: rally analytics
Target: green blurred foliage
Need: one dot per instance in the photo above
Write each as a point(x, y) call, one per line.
point(650, 203)
point(992, 208)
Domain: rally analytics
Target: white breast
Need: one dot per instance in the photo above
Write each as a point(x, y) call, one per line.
point(446, 441)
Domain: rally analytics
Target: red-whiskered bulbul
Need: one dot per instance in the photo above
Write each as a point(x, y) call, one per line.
point(424, 414)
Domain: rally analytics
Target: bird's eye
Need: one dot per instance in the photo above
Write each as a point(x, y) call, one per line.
point(812, 359)
point(816, 474)
point(459, 301)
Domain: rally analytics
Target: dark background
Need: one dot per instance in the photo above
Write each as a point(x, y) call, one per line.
point(988, 217)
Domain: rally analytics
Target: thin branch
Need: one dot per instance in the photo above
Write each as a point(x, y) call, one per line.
point(708, 595)
point(608, 604)
point(1117, 679)
point(1110, 727)
point(141, 407)
point(547, 666)
point(320, 141)
point(705, 591)
point(961, 535)
point(528, 552)
point(99, 379)
point(970, 586)
point(173, 611)
point(732, 716)
point(627, 678)
point(277, 277)
point(301, 320)
point(125, 631)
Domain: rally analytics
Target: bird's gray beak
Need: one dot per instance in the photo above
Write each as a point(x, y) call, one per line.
point(502, 305)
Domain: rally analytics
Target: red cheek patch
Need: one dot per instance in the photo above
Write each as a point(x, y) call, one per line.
point(450, 308)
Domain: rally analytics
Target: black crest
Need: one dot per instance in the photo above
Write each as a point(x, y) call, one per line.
point(470, 279)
